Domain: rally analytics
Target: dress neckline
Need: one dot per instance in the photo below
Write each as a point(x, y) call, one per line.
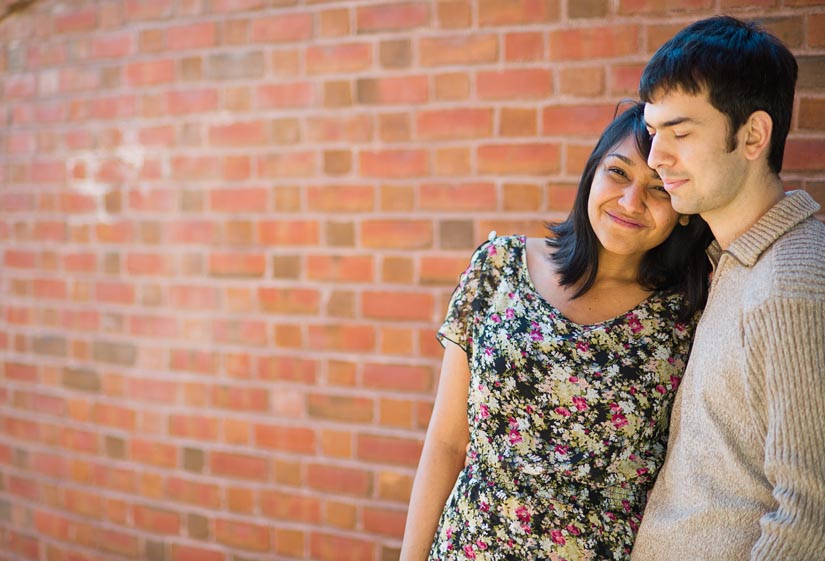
point(525, 273)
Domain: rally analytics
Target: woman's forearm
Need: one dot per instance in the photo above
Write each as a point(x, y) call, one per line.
point(437, 472)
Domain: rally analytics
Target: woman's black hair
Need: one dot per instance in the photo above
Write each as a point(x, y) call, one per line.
point(679, 264)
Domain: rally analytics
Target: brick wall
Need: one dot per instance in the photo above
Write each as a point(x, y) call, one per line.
point(229, 229)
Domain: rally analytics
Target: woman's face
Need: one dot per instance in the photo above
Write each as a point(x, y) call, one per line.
point(629, 209)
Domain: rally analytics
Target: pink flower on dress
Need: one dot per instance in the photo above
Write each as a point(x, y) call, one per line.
point(515, 436)
point(485, 506)
point(562, 450)
point(485, 411)
point(562, 411)
point(557, 537)
point(468, 551)
point(580, 403)
point(618, 420)
point(496, 318)
point(582, 346)
point(572, 529)
point(573, 379)
point(675, 381)
point(509, 314)
point(481, 545)
point(661, 389)
point(523, 514)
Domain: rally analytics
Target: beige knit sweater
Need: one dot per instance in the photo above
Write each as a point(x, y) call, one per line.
point(744, 476)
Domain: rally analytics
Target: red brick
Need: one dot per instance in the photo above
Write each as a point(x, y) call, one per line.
point(397, 234)
point(341, 198)
point(340, 268)
point(391, 17)
point(195, 168)
point(515, 84)
point(345, 128)
point(156, 520)
point(153, 453)
point(287, 369)
point(237, 265)
point(289, 232)
point(84, 19)
point(286, 165)
point(289, 300)
point(299, 440)
point(282, 28)
point(398, 377)
point(150, 73)
point(388, 449)
point(639, 7)
point(340, 58)
point(340, 408)
point(238, 465)
point(191, 36)
point(524, 46)
point(576, 120)
point(251, 133)
point(443, 124)
point(329, 547)
point(458, 197)
point(339, 480)
point(458, 50)
point(347, 338)
point(625, 78)
point(403, 306)
point(239, 200)
point(206, 495)
point(193, 553)
point(193, 426)
point(393, 90)
point(240, 398)
point(594, 42)
point(295, 508)
point(515, 12)
point(252, 537)
point(812, 114)
point(803, 154)
point(183, 102)
point(283, 96)
point(532, 159)
point(384, 521)
point(393, 163)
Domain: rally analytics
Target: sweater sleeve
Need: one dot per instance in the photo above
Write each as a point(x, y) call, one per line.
point(785, 345)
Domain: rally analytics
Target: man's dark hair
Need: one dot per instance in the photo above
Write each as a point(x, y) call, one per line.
point(678, 264)
point(742, 67)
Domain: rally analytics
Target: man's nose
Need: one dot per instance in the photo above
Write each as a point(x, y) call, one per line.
point(660, 155)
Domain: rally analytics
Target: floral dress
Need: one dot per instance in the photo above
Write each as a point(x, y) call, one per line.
point(568, 422)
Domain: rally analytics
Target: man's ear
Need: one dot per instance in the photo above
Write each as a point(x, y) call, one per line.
point(757, 135)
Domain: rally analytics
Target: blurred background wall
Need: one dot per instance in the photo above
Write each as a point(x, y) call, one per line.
point(229, 230)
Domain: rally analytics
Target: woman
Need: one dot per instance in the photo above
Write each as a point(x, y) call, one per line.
point(562, 357)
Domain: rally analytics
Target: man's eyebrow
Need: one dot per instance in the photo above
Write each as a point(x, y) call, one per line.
point(672, 122)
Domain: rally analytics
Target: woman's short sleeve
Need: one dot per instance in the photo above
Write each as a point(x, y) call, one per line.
point(467, 303)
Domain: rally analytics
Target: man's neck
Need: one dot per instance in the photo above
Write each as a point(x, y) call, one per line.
point(736, 218)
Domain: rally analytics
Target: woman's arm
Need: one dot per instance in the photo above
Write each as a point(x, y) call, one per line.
point(442, 458)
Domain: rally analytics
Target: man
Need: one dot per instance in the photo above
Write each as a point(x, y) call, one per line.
point(744, 476)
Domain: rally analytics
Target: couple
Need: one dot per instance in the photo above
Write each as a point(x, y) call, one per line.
point(563, 357)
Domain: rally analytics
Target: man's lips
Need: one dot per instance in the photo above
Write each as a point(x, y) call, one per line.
point(625, 221)
point(673, 184)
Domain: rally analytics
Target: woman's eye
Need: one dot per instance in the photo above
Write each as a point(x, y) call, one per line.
point(618, 171)
point(661, 189)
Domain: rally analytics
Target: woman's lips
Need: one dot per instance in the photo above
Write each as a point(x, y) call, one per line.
point(625, 221)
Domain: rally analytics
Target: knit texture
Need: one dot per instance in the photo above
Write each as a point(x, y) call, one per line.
point(744, 476)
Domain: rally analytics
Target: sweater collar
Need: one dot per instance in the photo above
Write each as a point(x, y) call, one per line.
point(782, 217)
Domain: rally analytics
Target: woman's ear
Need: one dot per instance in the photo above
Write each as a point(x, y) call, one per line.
point(684, 219)
point(757, 134)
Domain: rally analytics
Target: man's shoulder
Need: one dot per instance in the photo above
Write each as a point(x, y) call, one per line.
point(797, 261)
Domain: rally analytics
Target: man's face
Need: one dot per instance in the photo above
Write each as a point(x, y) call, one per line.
point(691, 153)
